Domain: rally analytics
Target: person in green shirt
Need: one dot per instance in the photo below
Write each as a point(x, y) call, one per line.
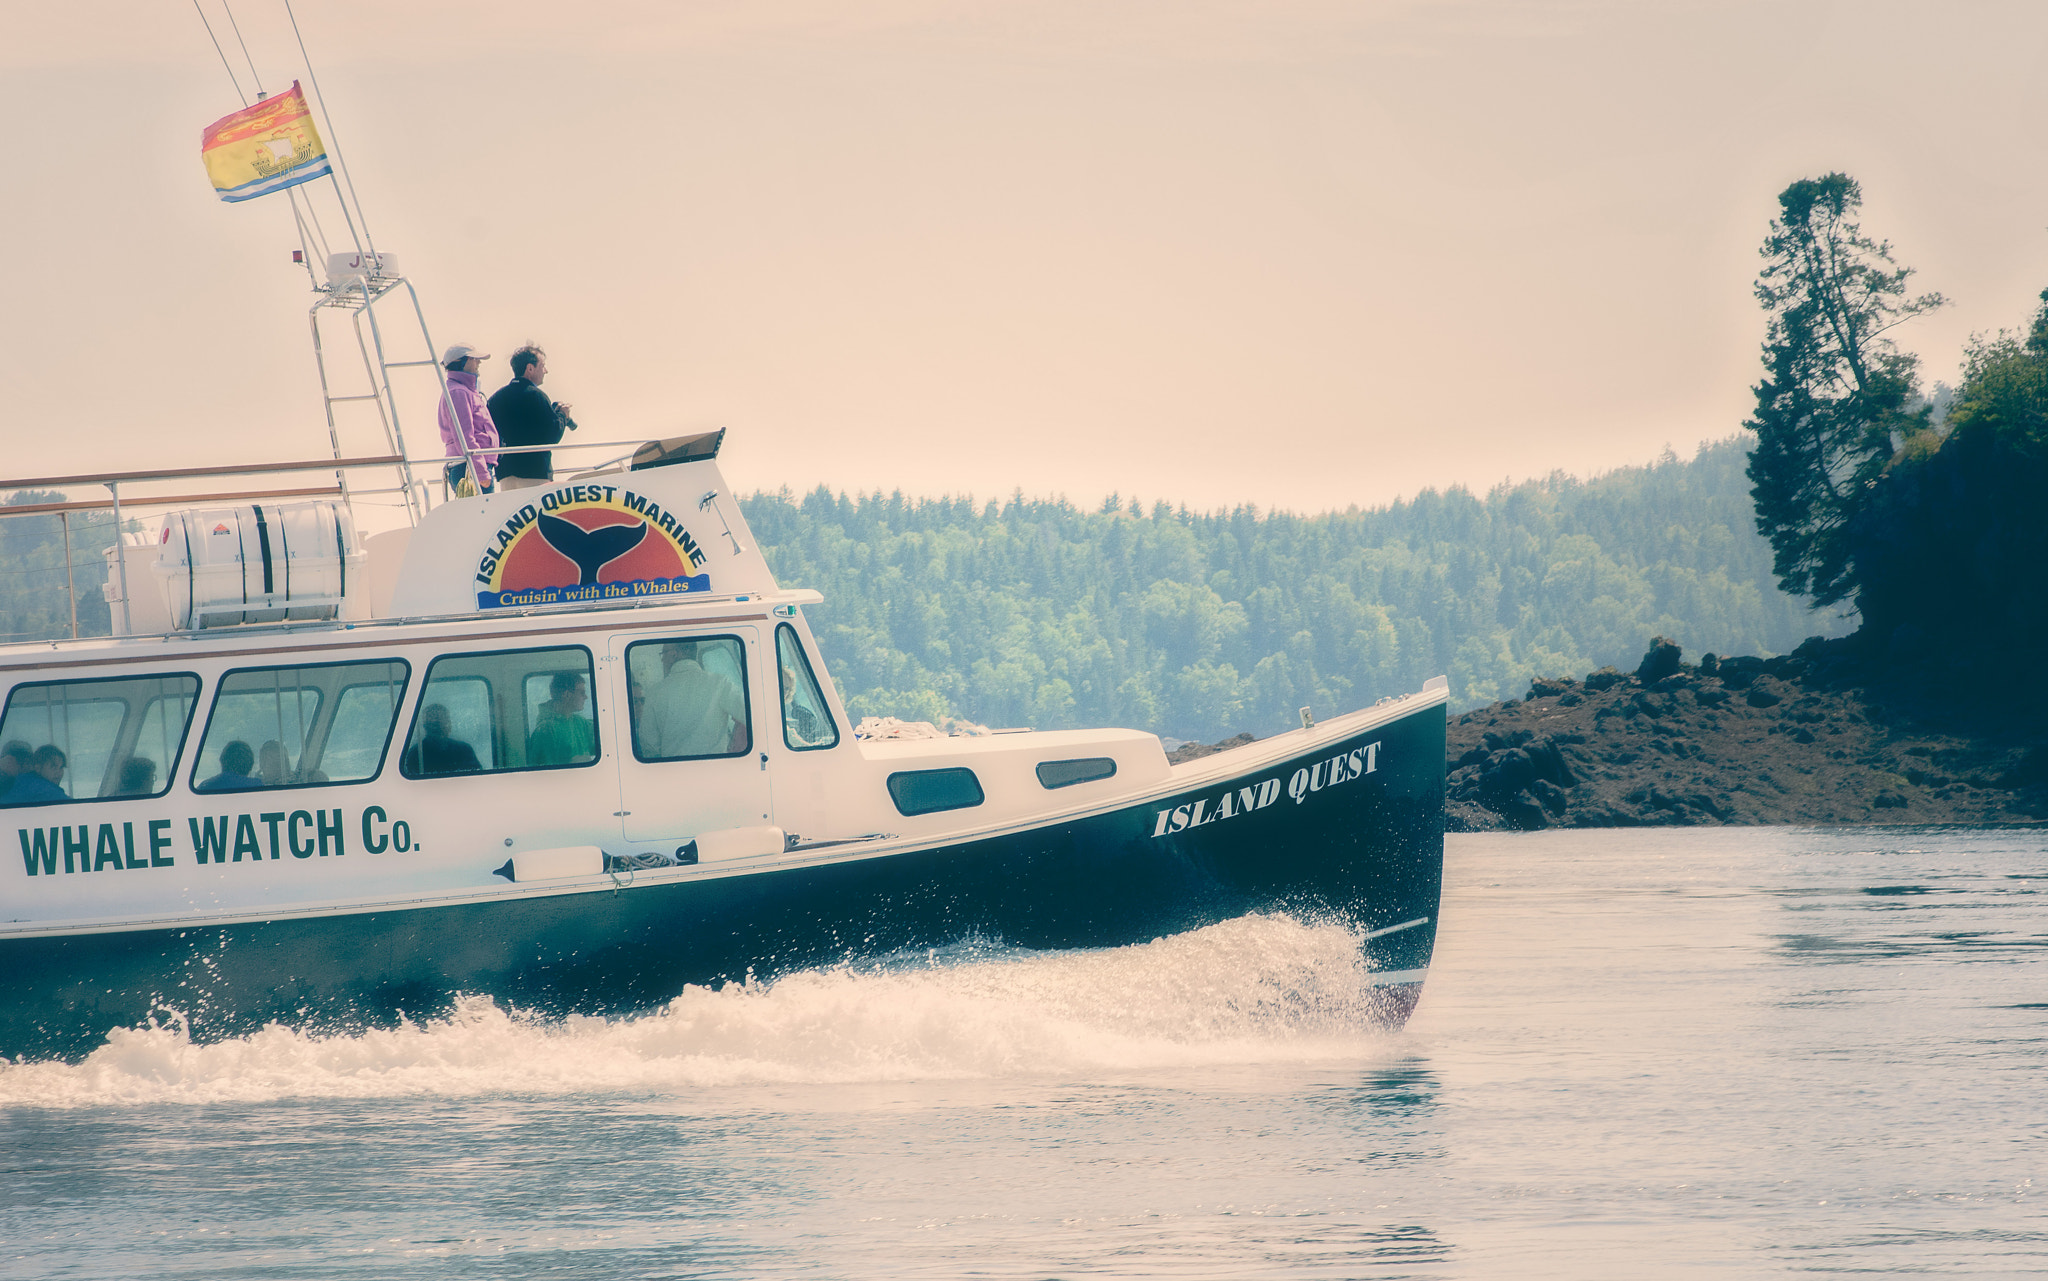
point(564, 736)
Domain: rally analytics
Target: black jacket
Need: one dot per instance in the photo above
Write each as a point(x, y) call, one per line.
point(524, 415)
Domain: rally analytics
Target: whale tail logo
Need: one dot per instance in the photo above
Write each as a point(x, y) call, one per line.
point(590, 550)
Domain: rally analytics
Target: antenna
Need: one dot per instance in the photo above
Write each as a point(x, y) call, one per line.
point(333, 141)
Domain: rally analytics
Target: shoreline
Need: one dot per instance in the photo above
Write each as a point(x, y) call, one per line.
point(1838, 732)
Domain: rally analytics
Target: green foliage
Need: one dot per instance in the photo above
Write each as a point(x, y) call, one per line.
point(33, 602)
point(1836, 391)
point(1952, 537)
point(1200, 625)
point(2005, 387)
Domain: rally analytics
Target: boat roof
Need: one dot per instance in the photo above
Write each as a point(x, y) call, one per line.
point(659, 542)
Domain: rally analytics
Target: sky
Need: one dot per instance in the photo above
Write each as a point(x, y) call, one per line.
point(1292, 253)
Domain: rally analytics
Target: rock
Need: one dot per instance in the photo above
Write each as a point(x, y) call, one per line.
point(1196, 751)
point(1659, 661)
point(1813, 649)
point(1469, 816)
point(1763, 696)
point(1522, 812)
point(1507, 773)
point(1604, 679)
point(2032, 768)
point(1709, 664)
point(1550, 686)
point(1786, 667)
point(1737, 673)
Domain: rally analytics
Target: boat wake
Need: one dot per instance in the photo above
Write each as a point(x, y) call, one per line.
point(1261, 988)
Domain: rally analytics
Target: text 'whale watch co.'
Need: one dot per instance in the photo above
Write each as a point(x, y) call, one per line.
point(229, 838)
point(589, 542)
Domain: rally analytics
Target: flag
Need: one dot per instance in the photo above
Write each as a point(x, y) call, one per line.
point(264, 148)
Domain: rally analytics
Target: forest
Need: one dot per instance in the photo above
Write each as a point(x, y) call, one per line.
point(1200, 625)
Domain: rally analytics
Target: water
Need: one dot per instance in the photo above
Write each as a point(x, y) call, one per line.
point(1723, 1053)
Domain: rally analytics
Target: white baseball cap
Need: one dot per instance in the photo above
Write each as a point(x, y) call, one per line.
point(462, 351)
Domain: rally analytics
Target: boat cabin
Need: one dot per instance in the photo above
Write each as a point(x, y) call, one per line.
point(595, 678)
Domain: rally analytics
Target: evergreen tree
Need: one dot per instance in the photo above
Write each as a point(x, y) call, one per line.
point(1952, 539)
point(1836, 392)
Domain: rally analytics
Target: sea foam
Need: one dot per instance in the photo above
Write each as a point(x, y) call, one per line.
point(1256, 989)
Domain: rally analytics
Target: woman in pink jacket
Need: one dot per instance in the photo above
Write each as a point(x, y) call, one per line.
point(462, 362)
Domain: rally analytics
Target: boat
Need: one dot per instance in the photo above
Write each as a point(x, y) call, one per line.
point(574, 748)
point(490, 782)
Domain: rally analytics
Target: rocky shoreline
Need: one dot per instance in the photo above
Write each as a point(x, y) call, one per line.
point(1837, 732)
point(1843, 731)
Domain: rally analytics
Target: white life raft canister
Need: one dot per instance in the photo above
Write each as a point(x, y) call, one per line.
point(259, 564)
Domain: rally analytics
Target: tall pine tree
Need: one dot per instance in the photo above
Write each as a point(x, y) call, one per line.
point(1836, 391)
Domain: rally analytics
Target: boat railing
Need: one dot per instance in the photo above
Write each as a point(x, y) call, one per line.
point(780, 603)
point(116, 500)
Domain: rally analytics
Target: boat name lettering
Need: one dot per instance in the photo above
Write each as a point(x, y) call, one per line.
point(1341, 768)
point(227, 838)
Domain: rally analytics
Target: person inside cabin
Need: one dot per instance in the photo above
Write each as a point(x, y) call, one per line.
point(272, 765)
point(692, 711)
point(42, 781)
point(237, 761)
point(469, 409)
point(438, 751)
point(798, 716)
point(525, 416)
point(137, 777)
point(13, 764)
point(563, 736)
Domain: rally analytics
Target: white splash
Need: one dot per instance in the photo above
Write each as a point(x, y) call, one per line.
point(1256, 989)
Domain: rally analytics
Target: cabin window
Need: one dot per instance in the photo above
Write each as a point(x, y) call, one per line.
point(303, 726)
point(465, 702)
point(927, 791)
point(1086, 769)
point(509, 710)
point(689, 698)
point(806, 725)
point(94, 740)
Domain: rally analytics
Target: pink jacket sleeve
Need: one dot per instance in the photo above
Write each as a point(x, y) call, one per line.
point(481, 432)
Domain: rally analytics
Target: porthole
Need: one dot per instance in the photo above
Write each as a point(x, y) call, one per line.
point(928, 791)
point(1086, 769)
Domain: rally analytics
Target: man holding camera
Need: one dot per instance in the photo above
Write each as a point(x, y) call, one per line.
point(525, 416)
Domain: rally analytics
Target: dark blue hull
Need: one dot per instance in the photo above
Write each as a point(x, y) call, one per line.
point(1351, 829)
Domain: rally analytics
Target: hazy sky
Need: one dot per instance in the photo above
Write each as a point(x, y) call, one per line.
point(1292, 253)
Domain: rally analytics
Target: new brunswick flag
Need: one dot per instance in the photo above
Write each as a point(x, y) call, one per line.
point(264, 148)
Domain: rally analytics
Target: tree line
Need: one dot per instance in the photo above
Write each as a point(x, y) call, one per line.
point(1200, 625)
